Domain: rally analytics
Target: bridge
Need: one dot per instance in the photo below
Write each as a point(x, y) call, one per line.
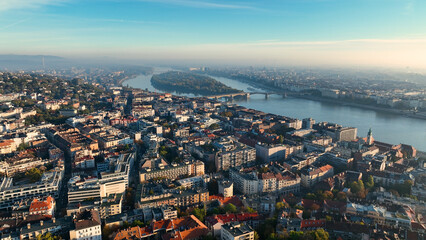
point(245, 95)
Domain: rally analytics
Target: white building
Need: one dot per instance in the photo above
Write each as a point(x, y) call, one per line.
point(226, 188)
point(87, 226)
point(236, 231)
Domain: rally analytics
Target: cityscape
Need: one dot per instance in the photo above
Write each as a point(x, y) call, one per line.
point(212, 120)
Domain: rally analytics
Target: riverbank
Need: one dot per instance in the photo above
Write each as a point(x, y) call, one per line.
point(405, 113)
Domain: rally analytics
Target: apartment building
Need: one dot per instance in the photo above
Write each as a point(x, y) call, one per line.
point(236, 231)
point(231, 153)
point(86, 225)
point(312, 175)
point(49, 185)
point(171, 171)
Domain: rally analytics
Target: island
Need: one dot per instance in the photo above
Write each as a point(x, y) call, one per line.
point(184, 82)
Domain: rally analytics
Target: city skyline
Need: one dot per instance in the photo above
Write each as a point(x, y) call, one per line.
point(301, 33)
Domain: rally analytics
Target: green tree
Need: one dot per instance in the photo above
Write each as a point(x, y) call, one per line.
point(357, 186)
point(48, 236)
point(231, 208)
point(279, 206)
point(370, 182)
point(34, 174)
point(199, 213)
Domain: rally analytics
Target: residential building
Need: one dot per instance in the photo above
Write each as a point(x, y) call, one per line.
point(312, 175)
point(236, 231)
point(86, 225)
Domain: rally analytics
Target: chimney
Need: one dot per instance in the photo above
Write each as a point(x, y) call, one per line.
point(29, 225)
point(41, 222)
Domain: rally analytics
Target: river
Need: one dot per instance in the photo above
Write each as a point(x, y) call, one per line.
point(386, 127)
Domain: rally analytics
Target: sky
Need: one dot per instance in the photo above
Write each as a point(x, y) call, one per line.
point(386, 33)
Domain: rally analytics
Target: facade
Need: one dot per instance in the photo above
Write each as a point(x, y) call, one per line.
point(86, 226)
point(271, 153)
point(111, 205)
point(311, 175)
point(173, 171)
point(237, 156)
point(226, 188)
point(252, 183)
point(49, 185)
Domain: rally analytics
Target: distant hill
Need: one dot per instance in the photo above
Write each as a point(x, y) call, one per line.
point(30, 62)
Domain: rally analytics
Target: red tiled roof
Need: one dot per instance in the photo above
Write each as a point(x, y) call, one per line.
point(37, 205)
point(312, 223)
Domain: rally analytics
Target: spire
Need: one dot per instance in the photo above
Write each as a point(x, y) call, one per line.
point(370, 139)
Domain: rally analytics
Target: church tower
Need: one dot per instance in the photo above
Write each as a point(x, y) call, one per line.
point(370, 139)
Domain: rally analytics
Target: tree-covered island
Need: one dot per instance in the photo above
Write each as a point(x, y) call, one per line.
point(183, 82)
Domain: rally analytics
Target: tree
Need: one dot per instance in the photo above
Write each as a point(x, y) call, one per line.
point(341, 196)
point(214, 126)
point(279, 206)
point(256, 235)
point(311, 196)
point(199, 213)
point(231, 208)
point(306, 214)
point(34, 174)
point(22, 147)
point(327, 195)
point(281, 139)
point(357, 186)
point(295, 235)
point(370, 182)
point(48, 236)
point(319, 234)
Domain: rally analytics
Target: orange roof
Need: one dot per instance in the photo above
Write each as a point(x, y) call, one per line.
point(37, 205)
point(5, 143)
point(325, 168)
point(187, 228)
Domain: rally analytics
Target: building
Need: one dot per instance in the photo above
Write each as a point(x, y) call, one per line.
point(236, 231)
point(181, 198)
point(271, 153)
point(194, 182)
point(226, 188)
point(231, 153)
point(32, 230)
point(111, 205)
point(86, 226)
point(49, 185)
point(312, 175)
point(184, 228)
point(248, 181)
point(45, 207)
point(161, 169)
point(308, 123)
point(342, 133)
point(215, 222)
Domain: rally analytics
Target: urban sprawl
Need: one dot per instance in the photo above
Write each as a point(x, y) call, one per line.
point(87, 161)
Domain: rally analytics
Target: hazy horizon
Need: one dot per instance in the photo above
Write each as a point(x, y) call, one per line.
point(308, 33)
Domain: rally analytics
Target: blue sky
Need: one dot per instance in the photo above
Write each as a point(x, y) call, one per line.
point(361, 32)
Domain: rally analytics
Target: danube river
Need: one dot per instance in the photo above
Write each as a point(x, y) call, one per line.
point(387, 127)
